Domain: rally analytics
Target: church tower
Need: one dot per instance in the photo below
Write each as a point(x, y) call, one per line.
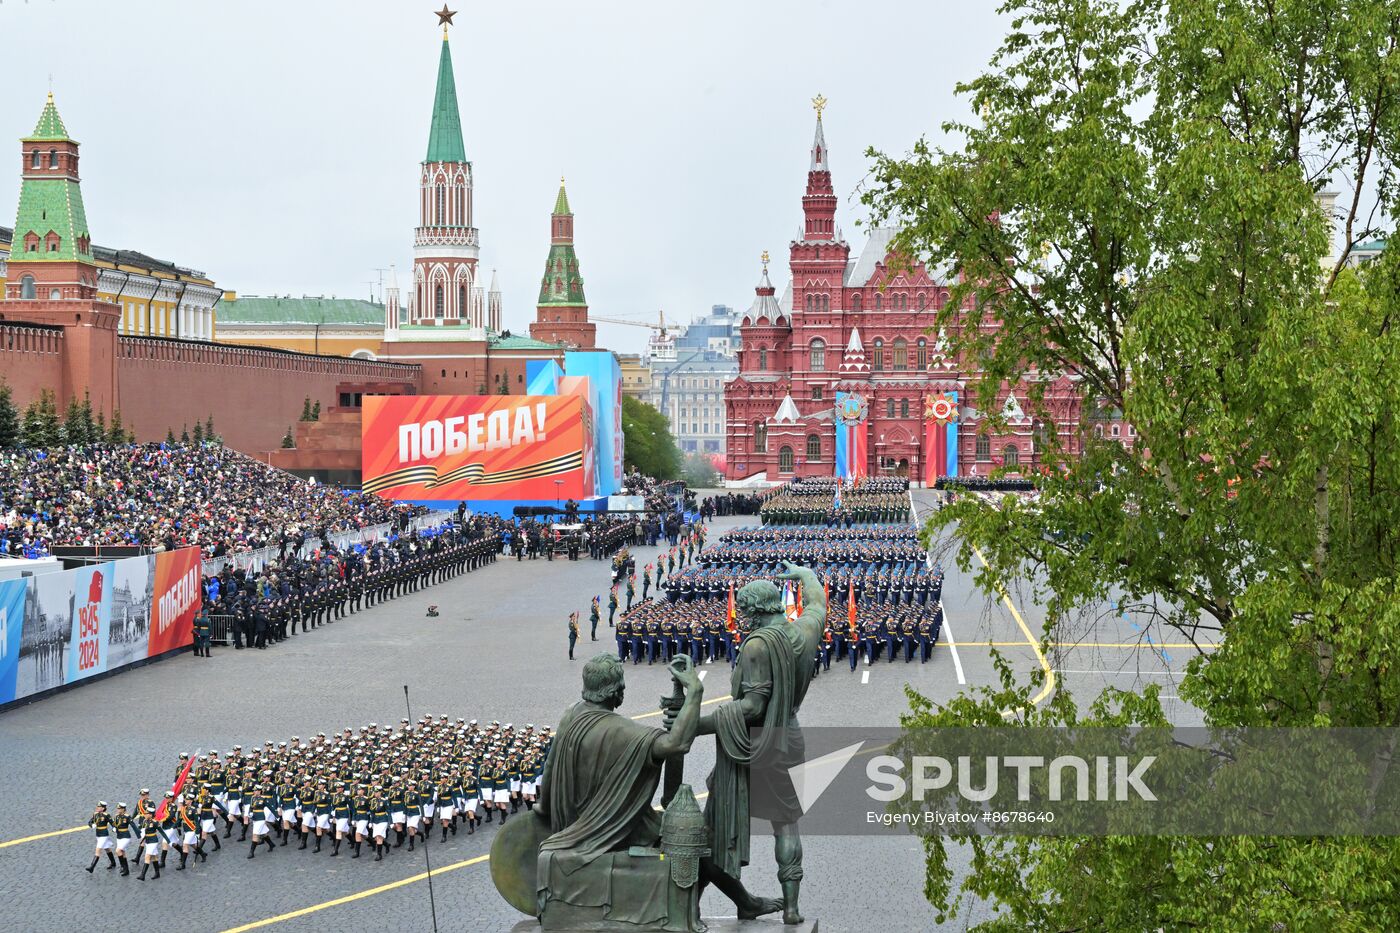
point(818, 255)
point(445, 244)
point(562, 314)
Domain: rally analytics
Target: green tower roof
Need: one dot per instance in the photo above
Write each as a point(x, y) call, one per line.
point(562, 285)
point(51, 205)
point(50, 127)
point(445, 138)
point(561, 203)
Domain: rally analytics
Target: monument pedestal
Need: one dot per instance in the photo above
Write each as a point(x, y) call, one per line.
point(773, 924)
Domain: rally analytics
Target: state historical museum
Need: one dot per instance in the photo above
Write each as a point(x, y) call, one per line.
point(842, 377)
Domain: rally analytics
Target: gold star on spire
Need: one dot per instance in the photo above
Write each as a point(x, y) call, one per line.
point(819, 104)
point(445, 18)
point(765, 260)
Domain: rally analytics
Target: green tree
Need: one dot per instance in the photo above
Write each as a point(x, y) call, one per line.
point(209, 432)
point(116, 433)
point(9, 417)
point(170, 436)
point(699, 472)
point(316, 411)
point(184, 434)
point(1139, 204)
point(198, 434)
point(42, 427)
point(288, 442)
point(76, 428)
point(99, 429)
point(306, 409)
point(648, 445)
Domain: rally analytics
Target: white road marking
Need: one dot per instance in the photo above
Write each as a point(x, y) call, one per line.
point(947, 629)
point(952, 645)
point(865, 677)
point(702, 674)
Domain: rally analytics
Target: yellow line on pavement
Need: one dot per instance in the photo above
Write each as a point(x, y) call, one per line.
point(368, 892)
point(1030, 639)
point(705, 703)
point(1205, 646)
point(56, 832)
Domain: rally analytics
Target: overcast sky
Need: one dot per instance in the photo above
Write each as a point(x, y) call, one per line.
point(275, 145)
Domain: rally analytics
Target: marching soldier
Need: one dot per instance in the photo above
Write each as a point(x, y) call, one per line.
point(573, 633)
point(594, 613)
point(101, 824)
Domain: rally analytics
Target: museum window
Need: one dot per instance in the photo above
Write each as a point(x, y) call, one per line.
point(984, 448)
point(760, 437)
point(762, 358)
point(921, 354)
point(814, 447)
point(855, 302)
point(785, 460)
point(816, 393)
point(1011, 456)
point(889, 408)
point(904, 408)
point(438, 301)
point(901, 354)
point(818, 355)
point(26, 287)
point(1114, 430)
point(879, 302)
point(1098, 430)
point(877, 356)
point(922, 301)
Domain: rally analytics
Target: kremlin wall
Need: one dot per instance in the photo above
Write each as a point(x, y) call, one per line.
point(141, 336)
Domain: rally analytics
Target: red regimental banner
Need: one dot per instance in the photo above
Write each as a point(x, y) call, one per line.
point(475, 447)
point(174, 600)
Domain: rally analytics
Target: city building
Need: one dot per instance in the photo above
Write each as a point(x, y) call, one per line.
point(309, 324)
point(716, 332)
point(859, 328)
point(690, 392)
point(636, 375)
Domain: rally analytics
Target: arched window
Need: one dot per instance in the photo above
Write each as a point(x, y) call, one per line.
point(889, 408)
point(814, 447)
point(762, 358)
point(809, 302)
point(760, 437)
point(984, 448)
point(904, 408)
point(462, 309)
point(855, 302)
point(1011, 456)
point(438, 301)
point(441, 216)
point(921, 354)
point(461, 207)
point(901, 354)
point(785, 460)
point(53, 158)
point(26, 285)
point(922, 301)
point(879, 301)
point(818, 355)
point(34, 159)
point(826, 302)
point(877, 356)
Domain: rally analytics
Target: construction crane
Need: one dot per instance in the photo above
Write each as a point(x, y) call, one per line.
point(661, 326)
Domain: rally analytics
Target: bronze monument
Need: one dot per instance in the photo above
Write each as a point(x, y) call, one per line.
point(597, 855)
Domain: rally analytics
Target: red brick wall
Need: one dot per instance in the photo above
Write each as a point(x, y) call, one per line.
point(254, 394)
point(31, 359)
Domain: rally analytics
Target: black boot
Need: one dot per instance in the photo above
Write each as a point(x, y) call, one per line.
point(243, 833)
point(217, 845)
point(163, 854)
point(199, 850)
point(378, 852)
point(318, 845)
point(335, 849)
point(111, 861)
point(252, 850)
point(126, 869)
point(144, 866)
point(503, 817)
point(184, 856)
point(156, 877)
point(444, 832)
point(303, 842)
point(410, 842)
point(270, 844)
point(92, 865)
point(357, 851)
point(399, 843)
point(228, 828)
point(471, 827)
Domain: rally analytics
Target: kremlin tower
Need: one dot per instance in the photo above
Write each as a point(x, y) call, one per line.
point(562, 314)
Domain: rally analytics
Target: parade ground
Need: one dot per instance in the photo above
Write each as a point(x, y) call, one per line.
point(497, 651)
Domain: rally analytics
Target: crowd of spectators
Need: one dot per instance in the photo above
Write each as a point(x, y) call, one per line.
point(169, 496)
